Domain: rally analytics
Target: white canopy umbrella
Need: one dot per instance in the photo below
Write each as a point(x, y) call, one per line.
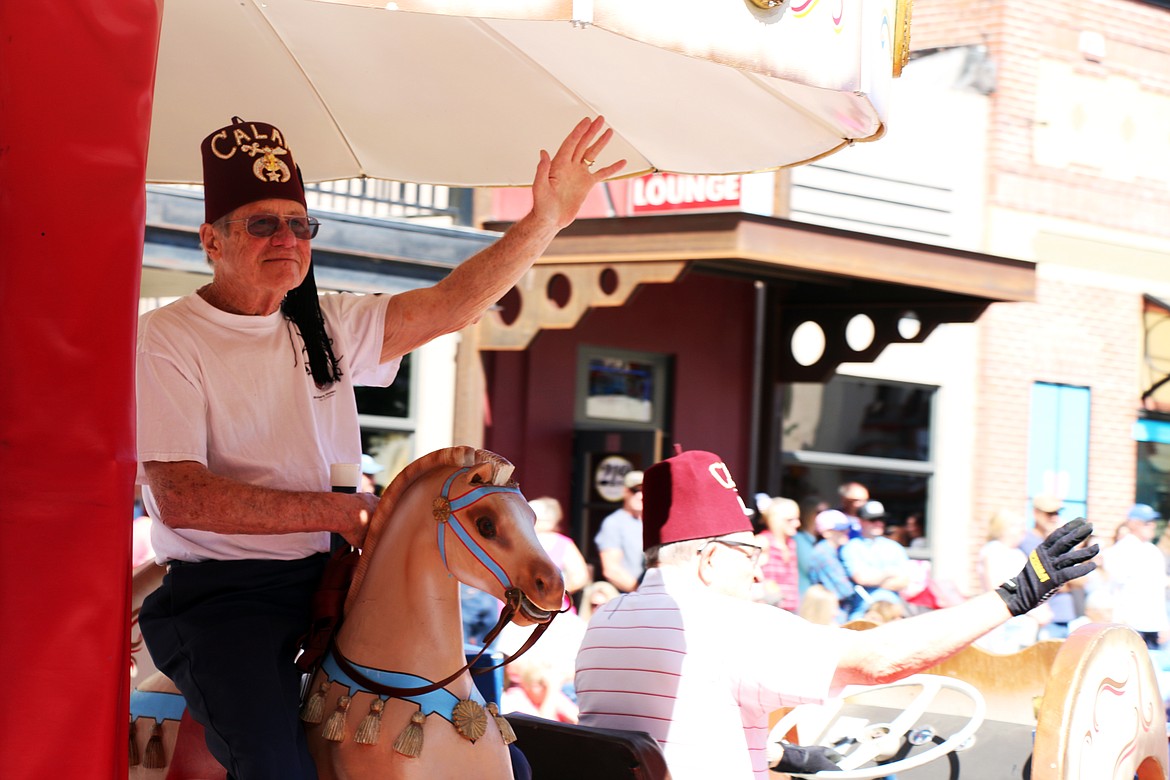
point(465, 92)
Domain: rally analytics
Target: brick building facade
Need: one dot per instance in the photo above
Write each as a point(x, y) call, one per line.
point(1078, 180)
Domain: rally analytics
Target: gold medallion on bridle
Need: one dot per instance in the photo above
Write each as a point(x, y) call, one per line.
point(469, 719)
point(441, 509)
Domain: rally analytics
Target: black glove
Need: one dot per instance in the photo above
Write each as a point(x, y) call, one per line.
point(1053, 563)
point(806, 760)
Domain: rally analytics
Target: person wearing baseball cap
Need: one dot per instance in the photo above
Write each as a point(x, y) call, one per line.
point(691, 660)
point(825, 567)
point(370, 467)
point(878, 565)
point(1134, 572)
point(619, 539)
point(245, 400)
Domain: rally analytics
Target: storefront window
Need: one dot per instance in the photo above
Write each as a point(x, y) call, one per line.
point(849, 429)
point(1153, 462)
point(1058, 446)
point(386, 415)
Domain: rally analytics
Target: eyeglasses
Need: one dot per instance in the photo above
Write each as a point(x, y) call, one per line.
point(266, 225)
point(752, 551)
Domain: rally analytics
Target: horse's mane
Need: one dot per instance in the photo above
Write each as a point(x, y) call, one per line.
point(455, 457)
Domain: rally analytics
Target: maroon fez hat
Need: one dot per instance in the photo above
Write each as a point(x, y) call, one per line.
point(690, 496)
point(245, 162)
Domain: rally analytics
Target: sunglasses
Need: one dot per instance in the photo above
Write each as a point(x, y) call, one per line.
point(752, 551)
point(266, 225)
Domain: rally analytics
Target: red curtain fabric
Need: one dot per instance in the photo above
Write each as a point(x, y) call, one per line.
point(76, 83)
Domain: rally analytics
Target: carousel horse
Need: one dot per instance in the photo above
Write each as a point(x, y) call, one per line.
point(165, 743)
point(393, 697)
point(144, 580)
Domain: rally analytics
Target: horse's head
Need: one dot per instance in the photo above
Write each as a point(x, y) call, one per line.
point(487, 539)
point(481, 524)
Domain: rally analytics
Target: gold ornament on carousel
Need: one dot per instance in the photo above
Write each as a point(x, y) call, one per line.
point(134, 759)
point(409, 742)
point(314, 709)
point(371, 725)
point(506, 732)
point(441, 509)
point(155, 755)
point(334, 730)
point(469, 719)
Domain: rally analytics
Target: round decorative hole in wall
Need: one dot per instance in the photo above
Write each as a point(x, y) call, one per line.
point(909, 326)
point(859, 332)
point(608, 280)
point(509, 306)
point(559, 290)
point(808, 343)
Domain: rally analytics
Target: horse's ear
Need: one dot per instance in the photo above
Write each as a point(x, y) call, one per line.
point(481, 473)
point(491, 471)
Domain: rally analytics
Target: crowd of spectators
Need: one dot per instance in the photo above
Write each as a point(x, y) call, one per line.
point(834, 565)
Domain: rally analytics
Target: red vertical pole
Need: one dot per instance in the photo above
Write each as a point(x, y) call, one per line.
point(76, 84)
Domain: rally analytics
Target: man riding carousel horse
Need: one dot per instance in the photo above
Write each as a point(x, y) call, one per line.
point(246, 401)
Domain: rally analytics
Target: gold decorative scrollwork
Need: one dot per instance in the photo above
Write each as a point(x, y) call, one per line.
point(902, 35)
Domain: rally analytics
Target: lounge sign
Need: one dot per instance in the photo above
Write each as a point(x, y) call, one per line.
point(660, 192)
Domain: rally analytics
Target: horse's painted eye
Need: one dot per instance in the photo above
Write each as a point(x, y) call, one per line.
point(486, 527)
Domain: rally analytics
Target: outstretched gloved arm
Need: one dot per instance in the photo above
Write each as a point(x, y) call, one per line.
point(903, 647)
point(1053, 563)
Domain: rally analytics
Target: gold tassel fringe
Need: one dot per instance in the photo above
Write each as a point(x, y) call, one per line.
point(134, 759)
point(506, 732)
point(155, 756)
point(371, 725)
point(314, 709)
point(335, 727)
point(410, 741)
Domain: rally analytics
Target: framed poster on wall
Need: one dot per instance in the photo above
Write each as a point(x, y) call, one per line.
point(621, 388)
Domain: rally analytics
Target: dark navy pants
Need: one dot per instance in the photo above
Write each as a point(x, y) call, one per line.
point(225, 632)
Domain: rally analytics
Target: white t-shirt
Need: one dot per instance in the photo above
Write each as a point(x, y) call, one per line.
point(1136, 572)
point(700, 672)
point(234, 393)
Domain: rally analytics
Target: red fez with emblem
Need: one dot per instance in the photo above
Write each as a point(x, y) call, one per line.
point(246, 162)
point(690, 496)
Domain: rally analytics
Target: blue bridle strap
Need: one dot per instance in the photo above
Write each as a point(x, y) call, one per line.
point(440, 702)
point(463, 502)
point(444, 509)
point(156, 704)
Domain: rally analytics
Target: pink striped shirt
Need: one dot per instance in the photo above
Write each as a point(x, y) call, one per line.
point(700, 672)
point(781, 570)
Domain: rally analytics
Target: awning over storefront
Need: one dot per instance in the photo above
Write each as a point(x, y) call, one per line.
point(812, 274)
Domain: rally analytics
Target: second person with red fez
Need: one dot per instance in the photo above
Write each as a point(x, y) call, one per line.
point(691, 660)
point(246, 400)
